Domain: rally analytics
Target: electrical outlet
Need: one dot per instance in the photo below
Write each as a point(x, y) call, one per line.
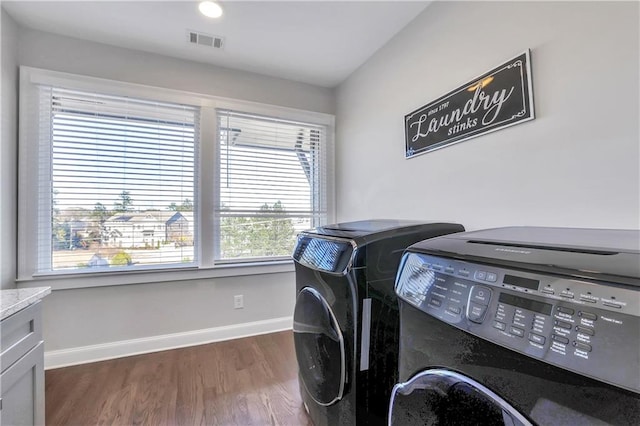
point(238, 301)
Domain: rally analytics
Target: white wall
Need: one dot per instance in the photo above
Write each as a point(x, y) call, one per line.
point(44, 50)
point(8, 150)
point(76, 319)
point(577, 164)
point(94, 316)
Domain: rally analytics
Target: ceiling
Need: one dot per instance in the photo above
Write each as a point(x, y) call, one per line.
point(315, 42)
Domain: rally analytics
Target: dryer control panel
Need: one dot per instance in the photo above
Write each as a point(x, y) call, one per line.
point(586, 327)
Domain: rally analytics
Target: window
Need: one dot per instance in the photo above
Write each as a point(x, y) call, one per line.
point(270, 175)
point(121, 180)
point(117, 177)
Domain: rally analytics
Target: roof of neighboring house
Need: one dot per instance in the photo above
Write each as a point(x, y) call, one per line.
point(166, 217)
point(176, 217)
point(120, 218)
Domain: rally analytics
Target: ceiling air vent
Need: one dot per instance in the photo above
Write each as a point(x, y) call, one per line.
point(207, 40)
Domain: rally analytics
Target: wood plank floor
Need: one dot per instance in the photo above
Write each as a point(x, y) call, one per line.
point(250, 381)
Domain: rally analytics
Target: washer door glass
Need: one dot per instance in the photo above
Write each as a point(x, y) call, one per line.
point(442, 397)
point(319, 347)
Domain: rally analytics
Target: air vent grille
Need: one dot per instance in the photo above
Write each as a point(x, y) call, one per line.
point(206, 40)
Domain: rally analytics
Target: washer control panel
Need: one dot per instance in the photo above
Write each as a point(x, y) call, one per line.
point(586, 327)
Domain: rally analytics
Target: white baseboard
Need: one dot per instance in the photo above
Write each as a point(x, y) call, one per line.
point(93, 353)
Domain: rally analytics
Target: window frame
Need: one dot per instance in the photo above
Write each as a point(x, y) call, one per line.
point(30, 190)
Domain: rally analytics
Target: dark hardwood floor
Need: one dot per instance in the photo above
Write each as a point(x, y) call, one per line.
point(250, 381)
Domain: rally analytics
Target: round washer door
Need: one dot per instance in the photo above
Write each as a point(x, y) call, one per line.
point(442, 397)
point(319, 347)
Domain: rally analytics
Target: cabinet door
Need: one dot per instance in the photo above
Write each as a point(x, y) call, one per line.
point(23, 390)
point(19, 333)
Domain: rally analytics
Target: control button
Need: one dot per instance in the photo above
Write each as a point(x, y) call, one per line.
point(475, 312)
point(559, 339)
point(499, 325)
point(587, 315)
point(436, 302)
point(437, 267)
point(539, 318)
point(454, 309)
point(582, 346)
point(565, 310)
point(567, 294)
point(491, 277)
point(480, 295)
point(548, 290)
point(563, 324)
point(588, 299)
point(463, 272)
point(536, 338)
point(516, 331)
point(585, 330)
point(449, 270)
point(426, 266)
point(612, 304)
point(481, 275)
point(520, 318)
point(459, 284)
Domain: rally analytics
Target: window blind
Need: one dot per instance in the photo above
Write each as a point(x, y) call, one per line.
point(120, 179)
point(271, 184)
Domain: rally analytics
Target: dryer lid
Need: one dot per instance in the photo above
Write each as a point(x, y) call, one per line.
point(368, 231)
point(571, 239)
point(604, 254)
point(369, 226)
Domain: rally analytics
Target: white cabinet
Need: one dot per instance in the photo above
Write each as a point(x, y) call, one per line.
point(22, 364)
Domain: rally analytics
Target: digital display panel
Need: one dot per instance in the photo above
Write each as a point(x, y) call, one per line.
point(524, 303)
point(521, 282)
point(322, 254)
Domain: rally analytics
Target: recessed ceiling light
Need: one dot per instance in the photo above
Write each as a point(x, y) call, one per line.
point(210, 9)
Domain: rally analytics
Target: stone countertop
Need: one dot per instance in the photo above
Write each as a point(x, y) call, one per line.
point(13, 300)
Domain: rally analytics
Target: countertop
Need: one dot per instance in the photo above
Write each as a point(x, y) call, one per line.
point(14, 300)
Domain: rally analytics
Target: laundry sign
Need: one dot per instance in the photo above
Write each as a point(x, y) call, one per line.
point(497, 99)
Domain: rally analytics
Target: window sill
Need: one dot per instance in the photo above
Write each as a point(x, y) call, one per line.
point(74, 281)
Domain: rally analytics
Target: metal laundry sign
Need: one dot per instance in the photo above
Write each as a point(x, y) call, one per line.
point(497, 99)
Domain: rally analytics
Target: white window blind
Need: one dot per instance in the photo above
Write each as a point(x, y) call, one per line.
point(271, 184)
point(118, 176)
